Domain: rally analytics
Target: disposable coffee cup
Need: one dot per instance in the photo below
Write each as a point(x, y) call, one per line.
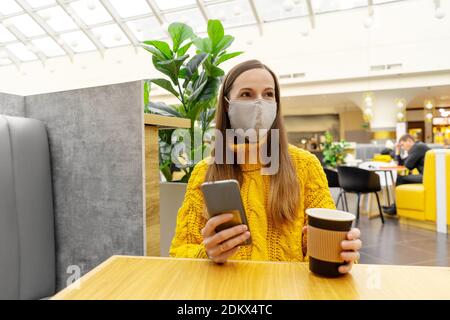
point(327, 228)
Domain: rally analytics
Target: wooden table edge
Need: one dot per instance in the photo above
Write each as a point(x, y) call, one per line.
point(87, 276)
point(60, 295)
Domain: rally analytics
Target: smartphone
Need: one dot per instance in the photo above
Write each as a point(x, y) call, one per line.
point(224, 197)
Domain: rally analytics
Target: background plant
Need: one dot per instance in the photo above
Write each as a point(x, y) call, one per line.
point(194, 81)
point(334, 152)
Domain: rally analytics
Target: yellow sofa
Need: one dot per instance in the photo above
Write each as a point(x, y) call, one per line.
point(382, 158)
point(418, 201)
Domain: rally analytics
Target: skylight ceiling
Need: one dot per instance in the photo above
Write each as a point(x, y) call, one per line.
point(42, 29)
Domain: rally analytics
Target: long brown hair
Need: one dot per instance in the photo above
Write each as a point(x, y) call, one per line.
point(284, 193)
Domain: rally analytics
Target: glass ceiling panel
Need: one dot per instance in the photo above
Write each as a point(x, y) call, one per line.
point(383, 1)
point(126, 10)
point(78, 41)
point(271, 10)
point(322, 6)
point(5, 35)
point(58, 19)
point(48, 46)
point(26, 25)
point(5, 61)
point(91, 11)
point(192, 17)
point(40, 3)
point(21, 52)
point(171, 4)
point(9, 7)
point(4, 58)
point(110, 36)
point(232, 13)
point(146, 29)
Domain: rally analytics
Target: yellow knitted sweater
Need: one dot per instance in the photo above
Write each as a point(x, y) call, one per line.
point(268, 243)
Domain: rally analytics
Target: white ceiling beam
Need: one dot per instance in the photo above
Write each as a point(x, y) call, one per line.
point(12, 57)
point(41, 22)
point(312, 17)
point(21, 37)
point(156, 12)
point(117, 19)
point(259, 20)
point(370, 7)
point(83, 27)
point(201, 6)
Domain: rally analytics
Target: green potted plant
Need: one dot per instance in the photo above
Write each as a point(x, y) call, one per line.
point(190, 71)
point(194, 81)
point(333, 152)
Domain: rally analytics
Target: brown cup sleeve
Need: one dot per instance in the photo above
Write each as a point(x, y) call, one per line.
point(325, 245)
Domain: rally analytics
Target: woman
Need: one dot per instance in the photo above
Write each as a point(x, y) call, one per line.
point(275, 204)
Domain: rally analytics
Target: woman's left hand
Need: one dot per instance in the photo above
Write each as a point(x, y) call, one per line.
point(350, 248)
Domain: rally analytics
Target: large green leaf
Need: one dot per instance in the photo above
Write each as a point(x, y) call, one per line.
point(203, 100)
point(165, 84)
point(215, 32)
point(146, 93)
point(181, 51)
point(199, 80)
point(182, 74)
point(210, 116)
point(203, 44)
point(224, 44)
point(196, 108)
point(162, 46)
point(210, 91)
point(227, 56)
point(196, 86)
point(196, 93)
point(155, 52)
point(163, 69)
point(179, 32)
point(171, 67)
point(165, 169)
point(212, 70)
point(207, 116)
point(193, 64)
point(163, 109)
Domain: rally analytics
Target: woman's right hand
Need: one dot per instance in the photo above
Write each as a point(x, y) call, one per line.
point(222, 245)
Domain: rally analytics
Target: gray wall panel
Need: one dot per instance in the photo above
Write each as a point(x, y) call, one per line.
point(12, 105)
point(95, 139)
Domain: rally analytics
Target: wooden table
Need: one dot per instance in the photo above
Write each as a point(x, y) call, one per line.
point(125, 277)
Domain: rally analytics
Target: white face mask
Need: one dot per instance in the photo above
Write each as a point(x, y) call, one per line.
point(252, 114)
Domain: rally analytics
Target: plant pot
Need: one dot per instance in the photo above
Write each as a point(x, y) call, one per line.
point(171, 196)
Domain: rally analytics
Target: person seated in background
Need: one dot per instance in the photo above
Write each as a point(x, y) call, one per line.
point(414, 160)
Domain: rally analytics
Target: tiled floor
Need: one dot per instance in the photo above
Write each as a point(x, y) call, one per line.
point(395, 243)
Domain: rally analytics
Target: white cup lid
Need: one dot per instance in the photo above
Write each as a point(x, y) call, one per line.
point(330, 214)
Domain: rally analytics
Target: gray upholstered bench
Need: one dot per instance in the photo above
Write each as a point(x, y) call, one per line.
point(27, 245)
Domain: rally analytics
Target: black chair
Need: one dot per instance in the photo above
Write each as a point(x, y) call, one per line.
point(359, 181)
point(333, 182)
